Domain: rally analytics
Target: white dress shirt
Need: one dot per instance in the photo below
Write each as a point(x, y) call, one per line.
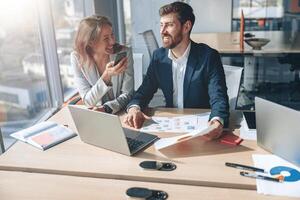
point(178, 72)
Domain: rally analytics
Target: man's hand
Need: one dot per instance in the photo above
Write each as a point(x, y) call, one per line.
point(216, 132)
point(135, 118)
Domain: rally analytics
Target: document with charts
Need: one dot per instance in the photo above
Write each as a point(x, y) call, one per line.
point(186, 123)
point(275, 166)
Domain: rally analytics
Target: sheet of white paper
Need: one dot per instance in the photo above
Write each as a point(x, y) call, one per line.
point(245, 133)
point(271, 163)
point(181, 124)
point(165, 142)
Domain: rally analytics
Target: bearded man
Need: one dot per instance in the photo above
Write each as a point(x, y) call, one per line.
point(190, 75)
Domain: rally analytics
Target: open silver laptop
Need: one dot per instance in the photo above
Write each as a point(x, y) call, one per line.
point(278, 129)
point(106, 131)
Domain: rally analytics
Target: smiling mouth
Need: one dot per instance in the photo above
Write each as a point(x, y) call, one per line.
point(166, 38)
point(110, 50)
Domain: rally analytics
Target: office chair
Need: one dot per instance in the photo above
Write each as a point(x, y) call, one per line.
point(233, 77)
point(150, 41)
point(294, 61)
point(75, 100)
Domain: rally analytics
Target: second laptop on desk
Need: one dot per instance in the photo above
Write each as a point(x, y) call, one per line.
point(106, 131)
point(278, 129)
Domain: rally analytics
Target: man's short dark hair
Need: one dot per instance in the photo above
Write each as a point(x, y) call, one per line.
point(183, 10)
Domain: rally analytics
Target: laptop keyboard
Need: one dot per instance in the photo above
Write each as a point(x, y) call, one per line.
point(133, 143)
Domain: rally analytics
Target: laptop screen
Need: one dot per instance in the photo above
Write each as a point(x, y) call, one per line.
point(250, 119)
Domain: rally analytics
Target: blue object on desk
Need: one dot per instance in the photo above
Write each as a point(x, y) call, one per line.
point(294, 174)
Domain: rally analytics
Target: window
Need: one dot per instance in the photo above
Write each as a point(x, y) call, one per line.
point(127, 19)
point(273, 76)
point(259, 14)
point(8, 97)
point(22, 68)
point(66, 16)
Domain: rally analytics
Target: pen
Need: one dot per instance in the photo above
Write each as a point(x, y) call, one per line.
point(267, 178)
point(244, 167)
point(183, 138)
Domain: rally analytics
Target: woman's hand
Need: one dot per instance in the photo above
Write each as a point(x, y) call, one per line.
point(113, 70)
point(99, 109)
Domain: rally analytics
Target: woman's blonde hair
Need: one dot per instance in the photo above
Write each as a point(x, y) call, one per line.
point(87, 33)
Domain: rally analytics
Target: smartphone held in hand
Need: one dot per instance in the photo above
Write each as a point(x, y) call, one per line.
point(119, 57)
point(117, 47)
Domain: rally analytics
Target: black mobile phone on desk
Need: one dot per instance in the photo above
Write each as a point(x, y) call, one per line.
point(119, 57)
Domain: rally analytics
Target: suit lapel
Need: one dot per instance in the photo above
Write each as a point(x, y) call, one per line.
point(169, 80)
point(190, 69)
point(166, 76)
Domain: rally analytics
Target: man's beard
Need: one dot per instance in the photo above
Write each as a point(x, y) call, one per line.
point(174, 41)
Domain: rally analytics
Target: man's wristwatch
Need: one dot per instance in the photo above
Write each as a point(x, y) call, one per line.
point(107, 109)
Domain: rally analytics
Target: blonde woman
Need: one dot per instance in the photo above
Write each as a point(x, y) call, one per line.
point(102, 84)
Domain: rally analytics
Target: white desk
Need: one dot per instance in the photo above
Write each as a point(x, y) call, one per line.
point(34, 186)
point(228, 43)
point(198, 163)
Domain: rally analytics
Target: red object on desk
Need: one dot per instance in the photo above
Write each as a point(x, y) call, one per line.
point(231, 139)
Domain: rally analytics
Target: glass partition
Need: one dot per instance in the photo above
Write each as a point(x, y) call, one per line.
point(24, 94)
point(271, 72)
point(66, 16)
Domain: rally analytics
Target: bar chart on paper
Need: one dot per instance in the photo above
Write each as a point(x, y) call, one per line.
point(186, 123)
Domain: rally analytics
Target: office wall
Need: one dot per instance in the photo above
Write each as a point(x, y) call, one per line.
point(211, 16)
point(144, 16)
point(109, 9)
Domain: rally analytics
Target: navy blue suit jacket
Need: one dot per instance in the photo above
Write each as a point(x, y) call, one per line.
point(204, 81)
